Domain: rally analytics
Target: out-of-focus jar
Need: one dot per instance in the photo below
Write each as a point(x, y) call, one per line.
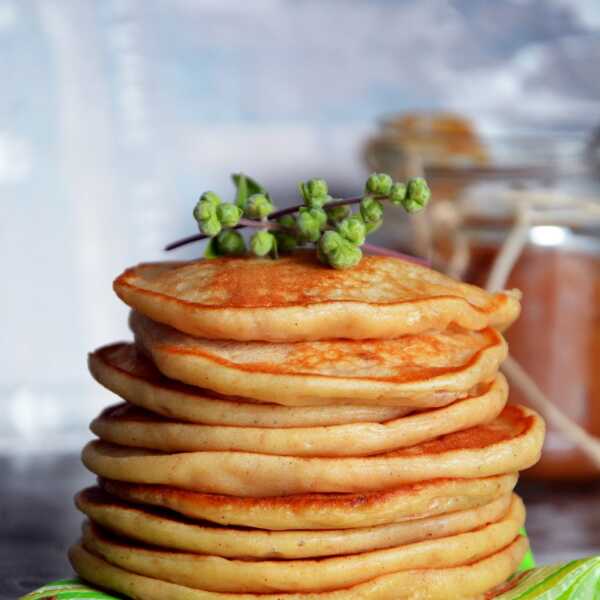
point(557, 337)
point(479, 183)
point(439, 144)
point(453, 155)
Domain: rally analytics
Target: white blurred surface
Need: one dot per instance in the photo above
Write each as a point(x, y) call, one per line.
point(115, 115)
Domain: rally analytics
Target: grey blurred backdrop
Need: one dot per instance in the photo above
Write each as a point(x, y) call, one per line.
point(116, 114)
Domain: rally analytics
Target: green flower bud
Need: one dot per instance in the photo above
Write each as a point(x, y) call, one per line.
point(346, 256)
point(371, 210)
point(417, 195)
point(210, 226)
point(321, 216)
point(211, 198)
point(262, 242)
point(287, 221)
point(330, 241)
point(313, 188)
point(285, 242)
point(379, 184)
point(231, 243)
point(338, 213)
point(318, 214)
point(314, 192)
point(371, 227)
point(398, 193)
point(229, 214)
point(204, 210)
point(353, 229)
point(338, 252)
point(259, 206)
point(307, 226)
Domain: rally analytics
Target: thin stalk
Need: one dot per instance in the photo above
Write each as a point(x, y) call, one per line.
point(341, 202)
point(261, 224)
point(200, 236)
point(189, 239)
point(258, 224)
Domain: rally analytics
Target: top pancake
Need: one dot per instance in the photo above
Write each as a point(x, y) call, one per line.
point(295, 298)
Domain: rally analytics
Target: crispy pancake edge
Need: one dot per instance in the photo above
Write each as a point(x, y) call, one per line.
point(314, 321)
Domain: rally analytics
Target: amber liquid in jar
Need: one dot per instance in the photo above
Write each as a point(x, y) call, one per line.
point(556, 339)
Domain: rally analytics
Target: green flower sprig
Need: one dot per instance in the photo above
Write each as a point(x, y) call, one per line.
point(330, 224)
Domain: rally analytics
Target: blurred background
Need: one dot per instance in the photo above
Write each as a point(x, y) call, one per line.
point(116, 114)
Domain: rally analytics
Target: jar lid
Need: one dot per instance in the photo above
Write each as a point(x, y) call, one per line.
point(449, 146)
point(436, 140)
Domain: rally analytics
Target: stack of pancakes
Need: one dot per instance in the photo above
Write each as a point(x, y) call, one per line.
point(291, 431)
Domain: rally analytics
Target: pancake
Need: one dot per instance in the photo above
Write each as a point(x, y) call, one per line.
point(511, 442)
point(218, 574)
point(130, 375)
point(321, 511)
point(457, 583)
point(295, 298)
point(420, 371)
point(164, 529)
point(126, 425)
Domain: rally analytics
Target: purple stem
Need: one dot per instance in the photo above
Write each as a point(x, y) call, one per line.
point(258, 224)
point(342, 202)
point(381, 251)
point(191, 238)
point(250, 223)
point(368, 248)
point(200, 236)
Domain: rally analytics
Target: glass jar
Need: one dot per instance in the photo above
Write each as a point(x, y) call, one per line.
point(479, 184)
point(557, 337)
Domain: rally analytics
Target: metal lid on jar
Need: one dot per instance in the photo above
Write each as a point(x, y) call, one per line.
point(449, 146)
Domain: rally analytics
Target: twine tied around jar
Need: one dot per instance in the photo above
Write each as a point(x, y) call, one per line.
point(529, 209)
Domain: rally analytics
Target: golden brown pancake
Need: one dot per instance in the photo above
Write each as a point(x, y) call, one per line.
point(162, 528)
point(127, 425)
point(296, 299)
point(512, 442)
point(424, 370)
point(218, 574)
point(130, 375)
point(456, 583)
point(321, 511)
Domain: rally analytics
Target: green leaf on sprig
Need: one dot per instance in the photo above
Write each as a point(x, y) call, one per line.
point(245, 187)
point(211, 249)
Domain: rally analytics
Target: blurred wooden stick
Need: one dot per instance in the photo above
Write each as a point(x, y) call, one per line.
point(503, 266)
point(538, 400)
